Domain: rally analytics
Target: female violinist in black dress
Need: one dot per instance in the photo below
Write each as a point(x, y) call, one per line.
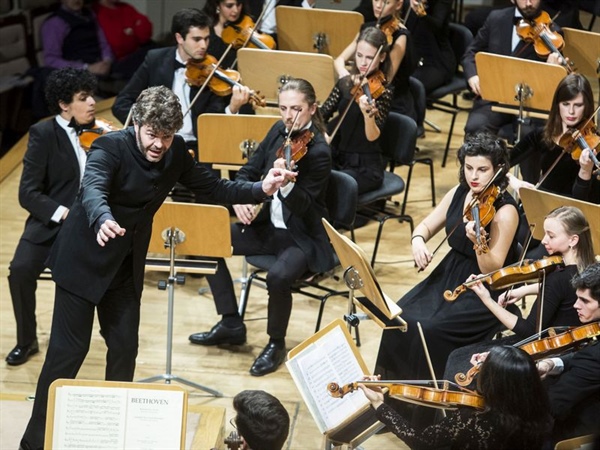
point(401, 54)
point(355, 147)
point(450, 325)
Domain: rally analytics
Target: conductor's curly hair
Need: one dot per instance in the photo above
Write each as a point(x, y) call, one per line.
point(487, 145)
point(63, 84)
point(158, 108)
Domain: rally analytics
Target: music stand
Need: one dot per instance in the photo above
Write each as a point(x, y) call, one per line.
point(191, 229)
point(519, 84)
point(583, 48)
point(537, 204)
point(265, 71)
point(316, 30)
point(359, 274)
point(225, 151)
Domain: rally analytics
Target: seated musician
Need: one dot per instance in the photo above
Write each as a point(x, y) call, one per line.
point(498, 35)
point(575, 391)
point(572, 106)
point(515, 415)
point(289, 227)
point(566, 233)
point(400, 54)
point(356, 149)
point(268, 24)
point(167, 67)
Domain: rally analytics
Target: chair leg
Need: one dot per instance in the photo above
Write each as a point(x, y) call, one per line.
point(454, 113)
point(401, 218)
point(408, 178)
point(245, 294)
point(429, 162)
point(435, 127)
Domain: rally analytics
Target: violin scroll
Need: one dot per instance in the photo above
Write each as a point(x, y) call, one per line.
point(450, 296)
point(337, 391)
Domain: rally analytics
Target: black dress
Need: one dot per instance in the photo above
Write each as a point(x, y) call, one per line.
point(446, 325)
point(353, 153)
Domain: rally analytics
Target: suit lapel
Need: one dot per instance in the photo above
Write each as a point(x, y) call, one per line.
point(65, 149)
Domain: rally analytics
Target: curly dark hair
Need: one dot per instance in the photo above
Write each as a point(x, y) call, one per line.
point(261, 419)
point(63, 84)
point(487, 145)
point(186, 18)
point(158, 108)
point(589, 278)
point(515, 398)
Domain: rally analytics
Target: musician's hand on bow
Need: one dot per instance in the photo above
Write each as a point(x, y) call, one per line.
point(478, 358)
point(240, 96)
point(275, 179)
point(421, 253)
point(245, 213)
point(516, 184)
point(509, 297)
point(373, 393)
point(108, 230)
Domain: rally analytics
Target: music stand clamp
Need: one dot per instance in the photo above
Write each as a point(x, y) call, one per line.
point(353, 281)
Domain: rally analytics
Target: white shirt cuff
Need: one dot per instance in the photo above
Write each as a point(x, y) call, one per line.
point(285, 190)
point(558, 368)
point(305, 4)
point(228, 111)
point(57, 216)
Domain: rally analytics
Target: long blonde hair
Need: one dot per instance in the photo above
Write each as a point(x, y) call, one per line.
point(574, 222)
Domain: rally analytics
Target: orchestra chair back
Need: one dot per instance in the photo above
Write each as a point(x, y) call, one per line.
point(342, 195)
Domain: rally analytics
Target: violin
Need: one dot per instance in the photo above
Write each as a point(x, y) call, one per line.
point(426, 396)
point(222, 81)
point(482, 212)
point(584, 138)
point(89, 135)
point(544, 347)
point(373, 87)
point(242, 33)
point(389, 28)
point(538, 32)
point(510, 275)
point(295, 146)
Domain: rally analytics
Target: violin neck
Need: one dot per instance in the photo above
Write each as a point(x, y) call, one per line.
point(221, 76)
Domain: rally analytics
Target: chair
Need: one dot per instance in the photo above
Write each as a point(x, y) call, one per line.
point(398, 144)
point(592, 7)
point(402, 133)
point(342, 193)
point(460, 38)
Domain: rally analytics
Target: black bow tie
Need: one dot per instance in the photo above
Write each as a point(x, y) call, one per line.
point(179, 65)
point(80, 128)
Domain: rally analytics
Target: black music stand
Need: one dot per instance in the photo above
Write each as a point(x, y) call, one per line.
point(192, 229)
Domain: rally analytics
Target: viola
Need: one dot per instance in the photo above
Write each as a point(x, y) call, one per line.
point(89, 135)
point(580, 139)
point(545, 41)
point(426, 396)
point(295, 146)
point(510, 275)
point(544, 347)
point(242, 33)
point(221, 82)
point(373, 87)
point(482, 212)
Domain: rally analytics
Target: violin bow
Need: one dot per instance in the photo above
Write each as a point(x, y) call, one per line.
point(287, 145)
point(540, 308)
point(208, 78)
point(472, 203)
point(353, 97)
point(429, 363)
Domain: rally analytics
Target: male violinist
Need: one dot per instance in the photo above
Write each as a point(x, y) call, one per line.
point(99, 256)
point(52, 171)
point(288, 228)
point(575, 392)
point(167, 67)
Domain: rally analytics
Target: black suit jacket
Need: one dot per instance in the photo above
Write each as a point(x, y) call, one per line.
point(119, 182)
point(50, 179)
point(575, 397)
point(158, 69)
point(305, 205)
point(496, 37)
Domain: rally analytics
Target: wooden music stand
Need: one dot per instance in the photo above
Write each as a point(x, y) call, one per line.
point(225, 151)
point(316, 30)
point(359, 274)
point(265, 70)
point(583, 48)
point(74, 415)
point(538, 204)
point(192, 229)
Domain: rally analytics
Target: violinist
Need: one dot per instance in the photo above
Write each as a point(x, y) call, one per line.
point(167, 67)
point(572, 105)
point(448, 326)
point(566, 233)
point(515, 414)
point(574, 379)
point(400, 54)
point(223, 12)
point(498, 35)
point(289, 227)
point(53, 167)
point(356, 149)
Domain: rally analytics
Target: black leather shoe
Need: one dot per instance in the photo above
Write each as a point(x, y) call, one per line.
point(21, 353)
point(220, 334)
point(269, 360)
